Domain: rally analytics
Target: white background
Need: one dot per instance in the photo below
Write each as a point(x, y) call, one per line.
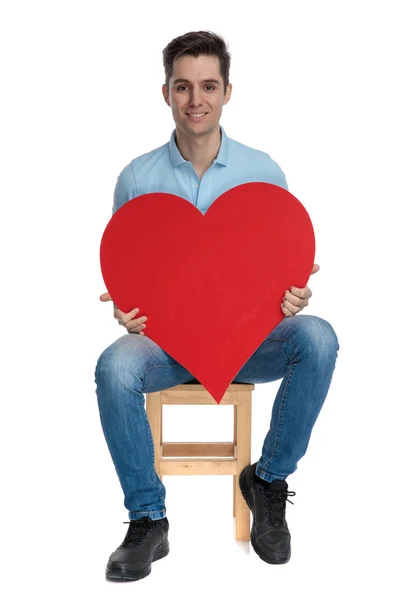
point(315, 86)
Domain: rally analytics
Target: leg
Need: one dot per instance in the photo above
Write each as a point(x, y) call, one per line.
point(132, 366)
point(303, 350)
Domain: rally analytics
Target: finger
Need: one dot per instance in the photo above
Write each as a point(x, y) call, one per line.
point(286, 311)
point(300, 292)
point(295, 300)
point(136, 328)
point(315, 269)
point(126, 317)
point(105, 297)
point(133, 312)
point(134, 324)
point(291, 307)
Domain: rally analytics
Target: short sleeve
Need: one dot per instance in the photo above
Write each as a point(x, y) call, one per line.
point(279, 177)
point(125, 188)
point(284, 182)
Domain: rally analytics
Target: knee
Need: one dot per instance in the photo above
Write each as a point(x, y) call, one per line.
point(115, 366)
point(106, 367)
point(319, 336)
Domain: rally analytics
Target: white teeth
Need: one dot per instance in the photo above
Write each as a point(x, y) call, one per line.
point(197, 115)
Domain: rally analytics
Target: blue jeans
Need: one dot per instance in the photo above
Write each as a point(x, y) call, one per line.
point(301, 349)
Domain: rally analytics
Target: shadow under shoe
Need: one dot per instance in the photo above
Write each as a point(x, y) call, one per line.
point(270, 536)
point(145, 542)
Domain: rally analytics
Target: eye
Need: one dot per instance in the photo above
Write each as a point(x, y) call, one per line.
point(209, 85)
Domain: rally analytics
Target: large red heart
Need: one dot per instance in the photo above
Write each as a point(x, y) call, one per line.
point(211, 285)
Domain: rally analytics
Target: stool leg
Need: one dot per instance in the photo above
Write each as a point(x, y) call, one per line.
point(154, 415)
point(161, 438)
point(243, 432)
point(235, 483)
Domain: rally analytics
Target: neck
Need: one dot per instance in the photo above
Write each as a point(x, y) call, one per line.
point(200, 150)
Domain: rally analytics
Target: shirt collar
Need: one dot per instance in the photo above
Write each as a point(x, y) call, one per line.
point(222, 157)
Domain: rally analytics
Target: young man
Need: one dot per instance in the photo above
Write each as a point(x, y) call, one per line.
point(199, 163)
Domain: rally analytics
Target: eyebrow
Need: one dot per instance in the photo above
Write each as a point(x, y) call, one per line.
point(181, 80)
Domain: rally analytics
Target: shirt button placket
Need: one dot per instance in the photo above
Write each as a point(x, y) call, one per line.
point(196, 192)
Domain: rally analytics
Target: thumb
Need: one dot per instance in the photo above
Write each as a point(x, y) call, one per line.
point(315, 269)
point(105, 297)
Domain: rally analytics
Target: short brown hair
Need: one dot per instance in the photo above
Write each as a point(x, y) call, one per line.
point(195, 43)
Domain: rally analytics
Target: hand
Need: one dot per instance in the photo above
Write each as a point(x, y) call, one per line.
point(126, 319)
point(297, 298)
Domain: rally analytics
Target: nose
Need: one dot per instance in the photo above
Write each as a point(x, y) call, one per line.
point(195, 97)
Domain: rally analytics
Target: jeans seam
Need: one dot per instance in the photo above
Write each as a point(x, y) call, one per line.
point(150, 433)
point(282, 340)
point(151, 440)
point(139, 512)
point(158, 366)
point(281, 413)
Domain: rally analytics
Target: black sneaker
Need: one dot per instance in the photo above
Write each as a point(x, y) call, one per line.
point(270, 535)
point(145, 542)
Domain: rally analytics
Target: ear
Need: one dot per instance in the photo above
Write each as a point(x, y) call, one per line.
point(228, 93)
point(165, 93)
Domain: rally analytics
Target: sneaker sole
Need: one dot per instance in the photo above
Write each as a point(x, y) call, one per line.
point(123, 573)
point(277, 561)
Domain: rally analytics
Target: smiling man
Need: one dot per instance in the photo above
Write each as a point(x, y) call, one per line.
point(196, 94)
point(199, 163)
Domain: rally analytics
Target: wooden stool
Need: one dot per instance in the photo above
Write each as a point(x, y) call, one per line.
point(233, 456)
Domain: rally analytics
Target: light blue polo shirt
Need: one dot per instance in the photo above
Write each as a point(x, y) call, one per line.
point(165, 170)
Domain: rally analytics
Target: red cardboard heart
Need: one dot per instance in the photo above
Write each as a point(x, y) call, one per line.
point(211, 285)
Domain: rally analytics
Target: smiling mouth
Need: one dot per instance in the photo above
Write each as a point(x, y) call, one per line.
point(196, 116)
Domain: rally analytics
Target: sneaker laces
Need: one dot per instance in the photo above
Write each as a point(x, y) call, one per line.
point(275, 503)
point(138, 530)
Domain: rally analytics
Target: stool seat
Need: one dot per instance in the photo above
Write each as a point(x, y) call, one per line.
point(206, 458)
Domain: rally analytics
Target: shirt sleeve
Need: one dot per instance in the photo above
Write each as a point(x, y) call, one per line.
point(279, 176)
point(284, 182)
point(125, 188)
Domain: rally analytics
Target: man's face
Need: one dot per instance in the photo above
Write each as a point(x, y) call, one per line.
point(201, 91)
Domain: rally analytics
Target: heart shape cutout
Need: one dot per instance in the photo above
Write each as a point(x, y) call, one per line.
point(211, 285)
